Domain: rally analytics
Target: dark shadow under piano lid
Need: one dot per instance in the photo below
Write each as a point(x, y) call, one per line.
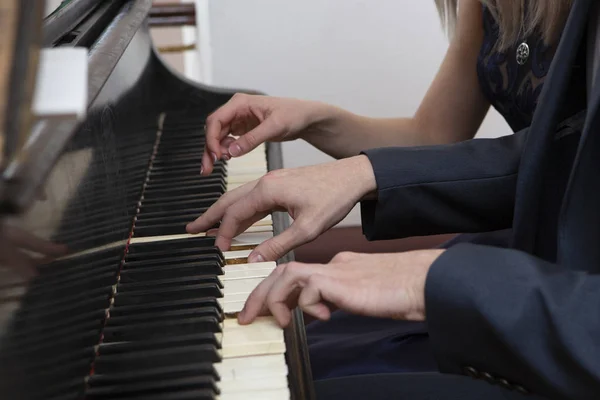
point(131, 168)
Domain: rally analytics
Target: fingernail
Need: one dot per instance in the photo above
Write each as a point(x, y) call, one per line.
point(201, 170)
point(255, 258)
point(214, 157)
point(225, 157)
point(235, 150)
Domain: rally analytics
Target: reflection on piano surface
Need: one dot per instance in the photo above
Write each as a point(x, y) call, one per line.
point(137, 309)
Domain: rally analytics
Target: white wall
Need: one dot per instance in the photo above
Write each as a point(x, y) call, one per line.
point(373, 57)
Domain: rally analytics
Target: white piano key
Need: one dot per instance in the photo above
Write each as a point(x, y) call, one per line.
point(270, 265)
point(250, 239)
point(262, 337)
point(236, 286)
point(243, 368)
point(236, 254)
point(246, 274)
point(232, 307)
point(277, 394)
point(256, 384)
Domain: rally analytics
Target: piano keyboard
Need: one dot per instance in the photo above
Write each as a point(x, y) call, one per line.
point(159, 322)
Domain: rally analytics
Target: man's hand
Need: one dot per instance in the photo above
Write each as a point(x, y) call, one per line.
point(376, 285)
point(316, 197)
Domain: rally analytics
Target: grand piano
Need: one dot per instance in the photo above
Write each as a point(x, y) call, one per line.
point(128, 306)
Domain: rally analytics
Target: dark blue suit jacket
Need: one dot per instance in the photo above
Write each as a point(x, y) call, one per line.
point(512, 316)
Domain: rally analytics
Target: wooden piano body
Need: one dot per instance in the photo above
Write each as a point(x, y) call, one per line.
point(86, 184)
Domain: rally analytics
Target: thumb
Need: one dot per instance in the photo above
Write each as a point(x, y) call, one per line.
point(253, 138)
point(276, 247)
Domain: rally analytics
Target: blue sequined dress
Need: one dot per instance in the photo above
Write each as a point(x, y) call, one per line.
point(351, 345)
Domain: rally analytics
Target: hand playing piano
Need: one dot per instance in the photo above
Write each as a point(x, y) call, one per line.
point(317, 197)
point(376, 285)
point(23, 252)
point(255, 120)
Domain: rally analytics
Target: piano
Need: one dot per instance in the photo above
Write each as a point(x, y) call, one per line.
point(135, 308)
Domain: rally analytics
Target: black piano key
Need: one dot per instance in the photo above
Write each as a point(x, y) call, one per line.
point(35, 305)
point(32, 327)
point(177, 282)
point(46, 350)
point(179, 253)
point(178, 395)
point(153, 387)
point(75, 331)
point(68, 388)
point(107, 255)
point(170, 215)
point(197, 242)
point(166, 206)
point(168, 159)
point(161, 229)
point(191, 268)
point(98, 236)
point(111, 377)
point(72, 276)
point(159, 306)
point(46, 315)
point(204, 195)
point(185, 180)
point(168, 294)
point(150, 359)
point(155, 330)
point(60, 290)
point(165, 315)
point(164, 343)
point(174, 256)
point(185, 190)
point(173, 172)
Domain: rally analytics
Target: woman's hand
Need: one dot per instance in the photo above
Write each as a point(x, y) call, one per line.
point(255, 120)
point(376, 285)
point(317, 197)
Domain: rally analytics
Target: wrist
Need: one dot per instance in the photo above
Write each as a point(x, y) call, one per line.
point(324, 120)
point(362, 175)
point(424, 259)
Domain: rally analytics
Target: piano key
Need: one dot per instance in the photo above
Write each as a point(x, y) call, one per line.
point(112, 377)
point(151, 358)
point(164, 272)
point(158, 306)
point(174, 252)
point(165, 315)
point(168, 294)
point(179, 395)
point(153, 330)
point(29, 327)
point(191, 196)
point(167, 342)
point(205, 383)
point(141, 246)
point(211, 189)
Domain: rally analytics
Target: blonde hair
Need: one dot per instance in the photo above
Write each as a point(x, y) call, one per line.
point(516, 18)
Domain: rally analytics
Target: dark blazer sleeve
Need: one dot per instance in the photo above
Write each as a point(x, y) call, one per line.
point(512, 319)
point(463, 187)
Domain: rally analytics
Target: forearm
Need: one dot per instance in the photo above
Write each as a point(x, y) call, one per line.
point(462, 187)
point(342, 134)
